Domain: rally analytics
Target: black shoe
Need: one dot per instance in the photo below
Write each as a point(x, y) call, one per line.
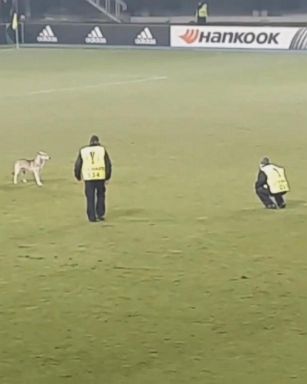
point(101, 218)
point(282, 206)
point(92, 221)
point(271, 206)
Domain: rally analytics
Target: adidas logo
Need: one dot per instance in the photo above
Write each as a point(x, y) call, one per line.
point(47, 36)
point(95, 37)
point(145, 38)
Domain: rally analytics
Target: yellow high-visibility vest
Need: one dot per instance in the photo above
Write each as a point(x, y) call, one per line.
point(276, 178)
point(203, 11)
point(93, 163)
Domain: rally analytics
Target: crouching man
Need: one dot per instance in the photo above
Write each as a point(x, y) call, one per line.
point(271, 185)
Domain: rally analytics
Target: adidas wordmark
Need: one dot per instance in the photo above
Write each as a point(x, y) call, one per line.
point(95, 37)
point(47, 36)
point(145, 38)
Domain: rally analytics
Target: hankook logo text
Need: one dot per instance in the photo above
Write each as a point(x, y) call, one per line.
point(192, 36)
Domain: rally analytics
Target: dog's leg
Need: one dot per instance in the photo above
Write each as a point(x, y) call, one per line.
point(37, 179)
point(24, 180)
point(16, 173)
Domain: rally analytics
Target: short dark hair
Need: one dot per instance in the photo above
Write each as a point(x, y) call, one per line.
point(265, 161)
point(94, 140)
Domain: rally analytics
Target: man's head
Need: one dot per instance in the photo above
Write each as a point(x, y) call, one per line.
point(265, 161)
point(94, 140)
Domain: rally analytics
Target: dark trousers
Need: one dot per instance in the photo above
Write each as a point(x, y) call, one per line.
point(201, 20)
point(95, 191)
point(266, 197)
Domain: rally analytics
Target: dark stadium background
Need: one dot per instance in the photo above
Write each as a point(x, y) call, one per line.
point(39, 8)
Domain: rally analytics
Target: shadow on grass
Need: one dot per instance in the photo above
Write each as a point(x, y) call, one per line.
point(18, 188)
point(291, 204)
point(138, 215)
point(30, 184)
point(55, 180)
point(134, 213)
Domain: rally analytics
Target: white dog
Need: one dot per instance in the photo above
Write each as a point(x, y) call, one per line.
point(35, 166)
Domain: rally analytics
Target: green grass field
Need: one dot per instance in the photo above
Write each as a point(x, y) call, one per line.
point(190, 280)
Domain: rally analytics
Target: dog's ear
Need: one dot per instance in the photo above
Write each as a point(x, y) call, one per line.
point(44, 155)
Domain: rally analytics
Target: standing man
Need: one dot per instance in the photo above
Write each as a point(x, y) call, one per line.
point(202, 13)
point(271, 185)
point(94, 166)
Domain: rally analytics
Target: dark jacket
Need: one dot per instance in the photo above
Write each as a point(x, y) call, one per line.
point(261, 180)
point(79, 163)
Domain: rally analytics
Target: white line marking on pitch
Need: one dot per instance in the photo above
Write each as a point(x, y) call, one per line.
point(99, 85)
point(3, 50)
